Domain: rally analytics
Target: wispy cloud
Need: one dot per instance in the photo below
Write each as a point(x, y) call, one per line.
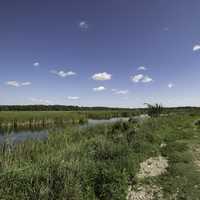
point(17, 84)
point(196, 47)
point(142, 68)
point(120, 92)
point(25, 83)
point(62, 73)
point(83, 25)
point(137, 78)
point(40, 101)
point(73, 98)
point(100, 88)
point(141, 78)
point(147, 79)
point(36, 64)
point(102, 76)
point(170, 85)
point(13, 83)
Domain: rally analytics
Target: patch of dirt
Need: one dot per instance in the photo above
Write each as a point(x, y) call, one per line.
point(162, 145)
point(154, 166)
point(145, 192)
point(196, 154)
point(197, 162)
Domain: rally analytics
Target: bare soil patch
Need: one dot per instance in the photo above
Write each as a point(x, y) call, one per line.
point(154, 166)
point(196, 154)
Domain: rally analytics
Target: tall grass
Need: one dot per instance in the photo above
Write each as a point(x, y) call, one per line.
point(99, 163)
point(42, 119)
point(17, 120)
point(90, 164)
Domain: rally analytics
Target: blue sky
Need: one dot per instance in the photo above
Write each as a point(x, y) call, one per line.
point(100, 53)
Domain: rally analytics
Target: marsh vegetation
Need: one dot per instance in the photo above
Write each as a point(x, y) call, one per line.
point(104, 161)
point(30, 120)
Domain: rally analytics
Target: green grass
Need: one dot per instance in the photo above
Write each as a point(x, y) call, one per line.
point(99, 163)
point(183, 176)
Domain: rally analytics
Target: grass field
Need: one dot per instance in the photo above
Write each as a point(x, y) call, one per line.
point(103, 162)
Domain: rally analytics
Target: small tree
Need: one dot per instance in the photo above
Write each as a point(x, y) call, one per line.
point(154, 110)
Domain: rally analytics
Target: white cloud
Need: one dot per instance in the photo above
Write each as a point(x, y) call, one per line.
point(17, 84)
point(142, 68)
point(83, 25)
point(137, 78)
point(102, 76)
point(100, 88)
point(62, 73)
point(25, 83)
point(13, 83)
point(147, 79)
point(196, 47)
point(73, 98)
point(170, 85)
point(122, 92)
point(36, 64)
point(40, 101)
point(141, 78)
point(71, 73)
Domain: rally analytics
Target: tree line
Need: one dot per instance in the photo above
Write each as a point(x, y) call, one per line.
point(54, 108)
point(85, 108)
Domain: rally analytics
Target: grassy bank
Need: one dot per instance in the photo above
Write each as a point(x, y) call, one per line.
point(100, 163)
point(28, 120)
point(42, 119)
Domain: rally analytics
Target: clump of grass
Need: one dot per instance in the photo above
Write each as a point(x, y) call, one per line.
point(197, 123)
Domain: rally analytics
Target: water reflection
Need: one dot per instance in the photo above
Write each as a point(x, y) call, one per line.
point(17, 136)
point(13, 138)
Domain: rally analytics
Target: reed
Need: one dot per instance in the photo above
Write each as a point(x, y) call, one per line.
point(29, 120)
point(42, 119)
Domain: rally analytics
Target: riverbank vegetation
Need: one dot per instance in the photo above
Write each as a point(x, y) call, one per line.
point(10, 120)
point(30, 117)
point(102, 162)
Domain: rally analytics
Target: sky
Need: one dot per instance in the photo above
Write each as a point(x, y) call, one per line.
point(118, 53)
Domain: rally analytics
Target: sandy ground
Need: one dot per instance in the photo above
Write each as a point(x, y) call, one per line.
point(152, 167)
point(196, 153)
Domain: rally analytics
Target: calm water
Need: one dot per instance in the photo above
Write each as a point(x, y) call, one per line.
point(21, 136)
point(92, 122)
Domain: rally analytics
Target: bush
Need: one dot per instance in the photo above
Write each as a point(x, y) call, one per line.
point(154, 110)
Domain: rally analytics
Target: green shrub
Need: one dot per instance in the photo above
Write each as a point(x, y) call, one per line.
point(154, 110)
